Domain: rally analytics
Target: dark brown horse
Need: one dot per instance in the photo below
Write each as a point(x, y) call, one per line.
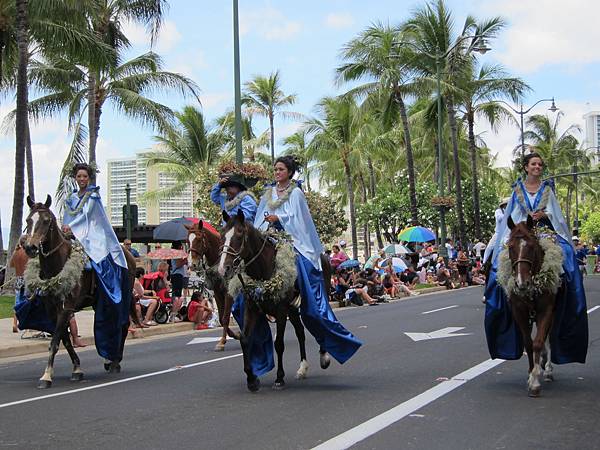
point(205, 250)
point(44, 238)
point(244, 243)
point(530, 304)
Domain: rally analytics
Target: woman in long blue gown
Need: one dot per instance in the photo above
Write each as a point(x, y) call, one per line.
point(284, 206)
point(84, 216)
point(569, 334)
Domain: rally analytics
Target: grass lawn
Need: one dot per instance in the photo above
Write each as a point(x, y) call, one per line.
point(424, 286)
point(6, 306)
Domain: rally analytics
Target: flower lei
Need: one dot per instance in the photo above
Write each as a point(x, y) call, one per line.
point(547, 279)
point(64, 282)
point(235, 201)
point(82, 202)
point(274, 204)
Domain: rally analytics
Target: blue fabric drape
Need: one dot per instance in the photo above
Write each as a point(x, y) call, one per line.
point(261, 347)
point(113, 297)
point(569, 334)
point(32, 314)
point(317, 315)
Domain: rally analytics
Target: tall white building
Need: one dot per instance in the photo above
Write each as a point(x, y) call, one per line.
point(142, 179)
point(592, 133)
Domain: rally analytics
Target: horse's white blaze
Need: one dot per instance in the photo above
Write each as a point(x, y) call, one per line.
point(228, 237)
point(302, 370)
point(34, 220)
point(522, 245)
point(191, 238)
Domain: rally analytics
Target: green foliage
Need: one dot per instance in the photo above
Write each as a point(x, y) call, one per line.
point(329, 218)
point(591, 228)
point(207, 210)
point(488, 203)
point(390, 209)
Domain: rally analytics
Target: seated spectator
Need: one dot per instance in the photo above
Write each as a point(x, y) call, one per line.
point(144, 298)
point(133, 251)
point(337, 256)
point(399, 286)
point(477, 277)
point(410, 277)
point(355, 293)
point(199, 311)
point(444, 278)
point(463, 265)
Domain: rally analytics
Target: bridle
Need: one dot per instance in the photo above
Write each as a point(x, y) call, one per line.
point(237, 254)
point(43, 239)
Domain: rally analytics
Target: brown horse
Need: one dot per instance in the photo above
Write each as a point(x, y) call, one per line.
point(244, 243)
point(530, 303)
point(204, 256)
point(44, 238)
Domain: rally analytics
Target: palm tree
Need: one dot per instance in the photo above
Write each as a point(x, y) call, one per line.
point(375, 53)
point(21, 122)
point(251, 144)
point(297, 145)
point(431, 29)
point(335, 143)
point(481, 90)
point(125, 86)
point(188, 152)
point(264, 96)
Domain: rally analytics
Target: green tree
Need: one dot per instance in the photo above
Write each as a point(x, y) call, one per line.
point(591, 228)
point(297, 145)
point(329, 219)
point(263, 96)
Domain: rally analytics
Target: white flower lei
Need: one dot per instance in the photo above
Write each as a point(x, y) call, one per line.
point(235, 201)
point(274, 204)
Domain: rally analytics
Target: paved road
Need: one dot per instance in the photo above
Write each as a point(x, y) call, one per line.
point(171, 394)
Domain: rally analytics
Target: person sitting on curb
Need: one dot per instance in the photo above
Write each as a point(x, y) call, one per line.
point(199, 311)
point(355, 294)
point(144, 298)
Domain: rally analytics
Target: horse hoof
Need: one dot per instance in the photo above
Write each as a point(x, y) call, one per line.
point(107, 366)
point(535, 392)
point(77, 376)
point(254, 386)
point(114, 368)
point(44, 384)
point(548, 378)
point(279, 386)
point(220, 347)
point(324, 360)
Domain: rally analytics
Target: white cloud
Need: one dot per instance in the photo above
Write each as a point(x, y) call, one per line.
point(214, 100)
point(269, 23)
point(339, 20)
point(168, 35)
point(548, 32)
point(136, 34)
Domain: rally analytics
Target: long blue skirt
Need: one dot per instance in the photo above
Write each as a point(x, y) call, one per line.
point(261, 347)
point(569, 334)
point(318, 317)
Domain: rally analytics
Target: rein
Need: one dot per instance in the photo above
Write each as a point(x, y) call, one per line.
point(237, 255)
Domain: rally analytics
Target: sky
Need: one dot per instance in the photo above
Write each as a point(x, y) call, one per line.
point(550, 44)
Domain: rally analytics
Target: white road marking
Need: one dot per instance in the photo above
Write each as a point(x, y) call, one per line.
point(440, 309)
point(203, 340)
point(124, 380)
point(384, 420)
point(591, 310)
point(439, 334)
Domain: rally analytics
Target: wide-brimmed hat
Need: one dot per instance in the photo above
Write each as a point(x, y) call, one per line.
point(235, 180)
point(576, 238)
point(504, 201)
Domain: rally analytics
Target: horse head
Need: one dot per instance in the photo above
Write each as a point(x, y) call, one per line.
point(40, 223)
point(203, 244)
point(525, 253)
point(233, 240)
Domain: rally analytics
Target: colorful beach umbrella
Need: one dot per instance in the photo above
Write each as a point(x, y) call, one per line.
point(416, 234)
point(396, 249)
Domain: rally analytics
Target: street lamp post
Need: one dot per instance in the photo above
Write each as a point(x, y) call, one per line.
point(438, 57)
point(238, 95)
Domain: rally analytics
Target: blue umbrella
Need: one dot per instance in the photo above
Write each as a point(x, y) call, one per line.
point(349, 264)
point(173, 230)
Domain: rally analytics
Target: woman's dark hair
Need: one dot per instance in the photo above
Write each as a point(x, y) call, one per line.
point(82, 166)
point(139, 272)
point(528, 157)
point(196, 296)
point(290, 163)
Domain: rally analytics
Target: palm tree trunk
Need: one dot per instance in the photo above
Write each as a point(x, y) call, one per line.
point(272, 130)
point(475, 187)
point(29, 161)
point(410, 165)
point(568, 207)
point(350, 188)
point(462, 232)
point(21, 123)
point(366, 234)
point(372, 195)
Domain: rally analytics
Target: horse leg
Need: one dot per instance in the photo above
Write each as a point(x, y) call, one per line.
point(301, 336)
point(77, 374)
point(546, 363)
point(61, 329)
point(252, 381)
point(544, 319)
point(279, 348)
point(521, 316)
point(324, 359)
point(227, 318)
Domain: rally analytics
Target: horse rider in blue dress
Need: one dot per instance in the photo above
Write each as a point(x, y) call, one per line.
point(569, 334)
point(284, 206)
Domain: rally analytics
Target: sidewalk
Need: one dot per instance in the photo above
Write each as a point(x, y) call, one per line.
point(22, 343)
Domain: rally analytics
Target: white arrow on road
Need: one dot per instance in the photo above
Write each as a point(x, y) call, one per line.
point(203, 340)
point(439, 334)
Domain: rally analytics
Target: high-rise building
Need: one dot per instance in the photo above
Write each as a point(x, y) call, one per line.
point(142, 179)
point(592, 133)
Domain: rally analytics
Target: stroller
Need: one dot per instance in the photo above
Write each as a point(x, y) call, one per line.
point(153, 281)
